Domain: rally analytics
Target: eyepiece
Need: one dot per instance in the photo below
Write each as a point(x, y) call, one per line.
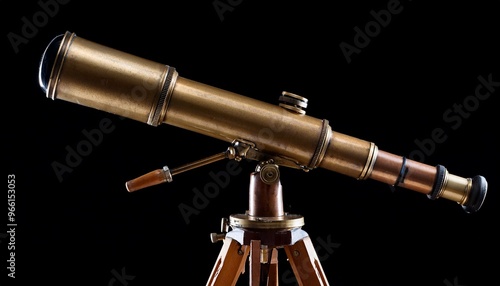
point(468, 192)
point(477, 194)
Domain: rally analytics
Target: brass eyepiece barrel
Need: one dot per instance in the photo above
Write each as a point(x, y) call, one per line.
point(86, 73)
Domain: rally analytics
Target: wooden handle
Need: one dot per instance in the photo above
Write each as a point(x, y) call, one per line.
point(150, 179)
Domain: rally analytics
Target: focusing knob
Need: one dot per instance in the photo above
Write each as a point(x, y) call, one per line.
point(269, 173)
point(293, 102)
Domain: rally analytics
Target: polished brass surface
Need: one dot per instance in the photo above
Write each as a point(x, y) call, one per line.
point(346, 155)
point(228, 116)
point(455, 188)
point(269, 173)
point(288, 221)
point(106, 79)
point(293, 102)
point(370, 162)
point(96, 76)
point(323, 142)
point(93, 75)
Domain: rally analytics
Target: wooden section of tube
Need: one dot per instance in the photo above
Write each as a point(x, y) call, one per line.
point(416, 176)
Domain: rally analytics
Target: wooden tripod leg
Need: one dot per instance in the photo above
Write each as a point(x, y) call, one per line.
point(267, 271)
point(230, 264)
point(305, 263)
point(273, 269)
point(255, 267)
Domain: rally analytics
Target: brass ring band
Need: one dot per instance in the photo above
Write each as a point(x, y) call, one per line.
point(370, 162)
point(159, 110)
point(58, 64)
point(288, 221)
point(456, 188)
point(324, 140)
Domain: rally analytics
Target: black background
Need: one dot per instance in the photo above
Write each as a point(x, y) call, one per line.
point(86, 229)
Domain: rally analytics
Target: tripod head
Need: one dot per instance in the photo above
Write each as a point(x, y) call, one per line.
point(89, 74)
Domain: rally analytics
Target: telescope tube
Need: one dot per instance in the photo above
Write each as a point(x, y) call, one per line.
point(86, 73)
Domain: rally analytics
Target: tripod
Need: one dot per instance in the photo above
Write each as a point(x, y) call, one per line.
point(259, 233)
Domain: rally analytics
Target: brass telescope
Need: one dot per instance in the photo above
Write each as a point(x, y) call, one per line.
point(89, 74)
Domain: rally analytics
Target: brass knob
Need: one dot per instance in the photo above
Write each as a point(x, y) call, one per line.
point(293, 102)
